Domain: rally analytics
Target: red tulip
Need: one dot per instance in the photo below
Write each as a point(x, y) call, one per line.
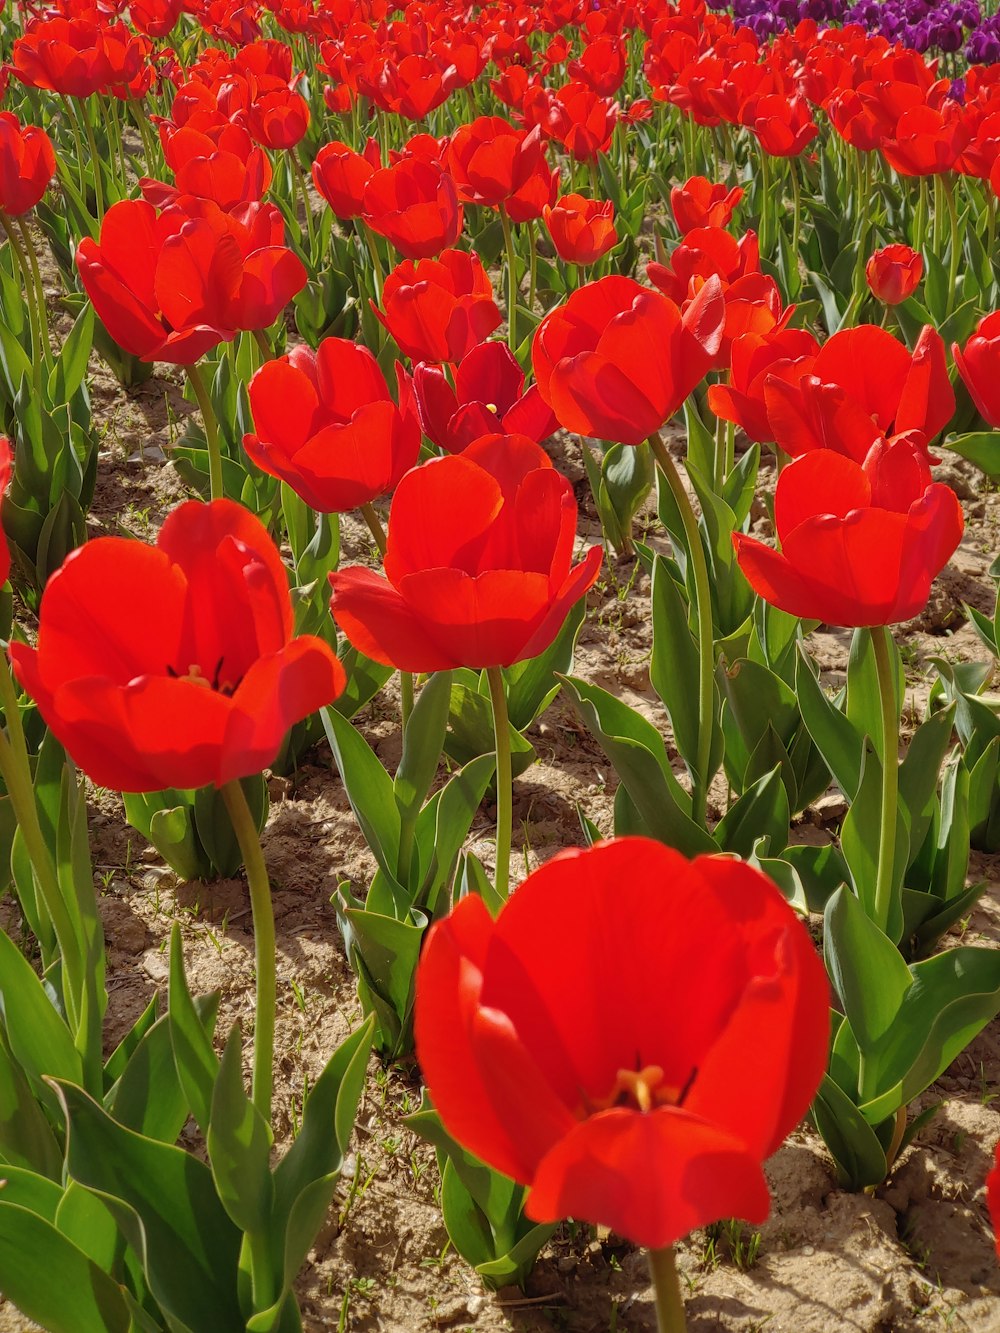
point(327, 425)
point(926, 142)
point(785, 354)
point(414, 204)
point(497, 165)
point(128, 277)
point(218, 162)
point(893, 273)
point(864, 383)
point(617, 360)
point(27, 164)
point(581, 121)
point(582, 230)
point(439, 309)
point(62, 55)
point(699, 203)
point(588, 1041)
point(277, 116)
point(783, 124)
point(978, 363)
point(993, 1197)
point(488, 396)
point(861, 543)
point(175, 665)
point(702, 252)
point(340, 175)
point(479, 563)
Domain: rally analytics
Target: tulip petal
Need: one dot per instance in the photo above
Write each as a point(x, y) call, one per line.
point(819, 482)
point(382, 625)
point(652, 1178)
point(440, 517)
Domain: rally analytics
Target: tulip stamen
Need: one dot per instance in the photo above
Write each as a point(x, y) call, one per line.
point(644, 1090)
point(195, 676)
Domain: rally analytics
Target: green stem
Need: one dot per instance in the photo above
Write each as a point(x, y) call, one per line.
point(299, 179)
point(21, 260)
point(264, 944)
point(667, 1291)
point(949, 194)
point(501, 732)
point(264, 343)
point(211, 432)
point(377, 531)
point(36, 279)
point(706, 637)
point(365, 232)
point(533, 264)
point(88, 130)
point(508, 240)
point(881, 643)
point(15, 768)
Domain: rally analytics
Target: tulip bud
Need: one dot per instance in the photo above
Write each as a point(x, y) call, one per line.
point(893, 273)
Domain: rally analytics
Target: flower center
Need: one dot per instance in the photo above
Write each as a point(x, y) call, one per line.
point(195, 676)
point(644, 1090)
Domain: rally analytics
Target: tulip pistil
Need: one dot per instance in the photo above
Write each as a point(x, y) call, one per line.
point(644, 1089)
point(195, 676)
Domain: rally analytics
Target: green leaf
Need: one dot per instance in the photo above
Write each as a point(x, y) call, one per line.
point(919, 771)
point(364, 680)
point(423, 742)
point(165, 1202)
point(864, 706)
point(239, 1144)
point(853, 1144)
point(305, 1178)
point(26, 1137)
point(979, 447)
point(953, 996)
point(532, 685)
point(39, 1039)
point(859, 842)
point(149, 1097)
point(637, 752)
point(758, 819)
point(674, 668)
point(196, 1062)
point(866, 970)
point(832, 732)
point(369, 789)
point(52, 1281)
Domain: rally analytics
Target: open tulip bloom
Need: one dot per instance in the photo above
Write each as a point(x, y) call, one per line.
point(631, 1037)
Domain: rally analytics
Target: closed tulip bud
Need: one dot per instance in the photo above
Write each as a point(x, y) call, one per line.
point(893, 273)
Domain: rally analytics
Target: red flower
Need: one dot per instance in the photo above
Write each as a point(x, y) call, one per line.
point(702, 252)
point(479, 563)
point(699, 203)
point(488, 396)
point(65, 56)
point(785, 354)
point(129, 278)
point(893, 273)
point(993, 1197)
point(277, 117)
point(27, 164)
point(978, 363)
point(601, 66)
point(340, 175)
point(616, 360)
point(861, 543)
point(415, 205)
point(580, 1044)
point(439, 309)
point(783, 124)
point(497, 165)
point(219, 162)
point(327, 425)
point(582, 230)
point(864, 383)
point(175, 665)
point(926, 142)
point(581, 121)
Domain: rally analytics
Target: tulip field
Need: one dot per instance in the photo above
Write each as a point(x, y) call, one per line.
point(499, 712)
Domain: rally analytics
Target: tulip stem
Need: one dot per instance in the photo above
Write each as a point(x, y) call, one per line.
point(95, 160)
point(211, 432)
point(262, 911)
point(298, 178)
point(667, 1291)
point(949, 194)
point(501, 732)
point(30, 298)
point(368, 513)
point(706, 638)
point(508, 240)
point(36, 282)
point(881, 641)
point(15, 768)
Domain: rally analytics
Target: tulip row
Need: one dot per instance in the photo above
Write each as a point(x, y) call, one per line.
point(248, 642)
